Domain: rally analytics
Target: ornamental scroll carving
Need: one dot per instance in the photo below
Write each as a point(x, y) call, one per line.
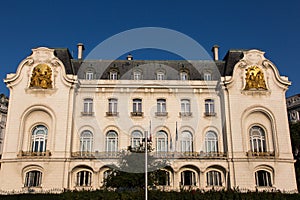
point(255, 78)
point(41, 77)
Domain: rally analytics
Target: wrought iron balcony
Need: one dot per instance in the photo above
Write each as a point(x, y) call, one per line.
point(161, 114)
point(185, 114)
point(191, 155)
point(94, 155)
point(210, 114)
point(87, 113)
point(264, 154)
point(137, 114)
point(31, 154)
point(112, 114)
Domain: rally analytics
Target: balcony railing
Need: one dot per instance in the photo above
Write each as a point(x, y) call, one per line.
point(112, 114)
point(185, 114)
point(260, 154)
point(87, 113)
point(190, 155)
point(31, 154)
point(169, 155)
point(137, 114)
point(210, 114)
point(161, 114)
point(94, 155)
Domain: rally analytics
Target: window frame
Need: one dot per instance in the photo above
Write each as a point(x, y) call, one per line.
point(161, 105)
point(186, 143)
point(111, 142)
point(36, 175)
point(88, 104)
point(161, 141)
point(258, 143)
point(86, 142)
point(84, 178)
point(214, 178)
point(209, 107)
point(266, 176)
point(39, 141)
point(211, 143)
point(137, 105)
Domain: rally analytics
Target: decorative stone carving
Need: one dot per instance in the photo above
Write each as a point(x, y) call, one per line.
point(41, 77)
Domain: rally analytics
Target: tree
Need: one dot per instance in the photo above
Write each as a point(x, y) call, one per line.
point(295, 139)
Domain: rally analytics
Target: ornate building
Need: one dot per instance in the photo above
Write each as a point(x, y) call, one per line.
point(218, 123)
point(3, 117)
point(293, 107)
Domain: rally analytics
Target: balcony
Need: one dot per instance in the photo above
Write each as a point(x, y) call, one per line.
point(30, 154)
point(112, 114)
point(137, 114)
point(94, 155)
point(185, 114)
point(190, 155)
point(161, 114)
point(265, 154)
point(210, 114)
point(87, 113)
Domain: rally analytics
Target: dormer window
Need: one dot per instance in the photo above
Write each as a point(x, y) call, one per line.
point(207, 76)
point(184, 75)
point(137, 75)
point(160, 76)
point(113, 75)
point(89, 75)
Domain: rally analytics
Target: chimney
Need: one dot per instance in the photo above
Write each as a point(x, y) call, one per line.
point(215, 51)
point(80, 50)
point(129, 57)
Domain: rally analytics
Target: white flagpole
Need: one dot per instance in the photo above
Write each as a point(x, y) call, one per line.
point(146, 165)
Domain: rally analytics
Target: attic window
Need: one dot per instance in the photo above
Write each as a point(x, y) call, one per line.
point(113, 75)
point(184, 75)
point(89, 75)
point(160, 75)
point(207, 76)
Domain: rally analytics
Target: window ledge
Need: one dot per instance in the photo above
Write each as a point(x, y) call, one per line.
point(30, 154)
point(185, 114)
point(137, 114)
point(260, 154)
point(161, 114)
point(210, 114)
point(112, 114)
point(87, 113)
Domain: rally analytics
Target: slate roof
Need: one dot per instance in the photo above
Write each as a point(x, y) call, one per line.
point(149, 68)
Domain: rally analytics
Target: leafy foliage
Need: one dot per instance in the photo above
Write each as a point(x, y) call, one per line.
point(295, 139)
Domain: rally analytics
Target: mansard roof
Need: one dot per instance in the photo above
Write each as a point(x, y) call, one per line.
point(149, 68)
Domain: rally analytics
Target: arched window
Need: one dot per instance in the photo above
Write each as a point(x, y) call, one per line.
point(162, 177)
point(257, 139)
point(211, 142)
point(33, 179)
point(161, 141)
point(186, 141)
point(213, 178)
point(111, 141)
point(188, 178)
point(83, 178)
point(136, 138)
point(263, 178)
point(86, 141)
point(39, 138)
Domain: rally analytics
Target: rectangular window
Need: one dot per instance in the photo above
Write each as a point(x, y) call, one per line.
point(209, 107)
point(112, 107)
point(87, 106)
point(184, 76)
point(89, 76)
point(207, 77)
point(161, 107)
point(160, 76)
point(113, 76)
point(137, 105)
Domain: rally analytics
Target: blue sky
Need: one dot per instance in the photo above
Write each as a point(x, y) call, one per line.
point(271, 26)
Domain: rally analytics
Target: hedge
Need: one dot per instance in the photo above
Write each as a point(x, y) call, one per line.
point(154, 195)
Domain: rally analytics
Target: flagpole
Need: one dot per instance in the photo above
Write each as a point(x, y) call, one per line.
point(146, 165)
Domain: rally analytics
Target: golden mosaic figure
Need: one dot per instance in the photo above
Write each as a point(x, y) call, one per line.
point(41, 77)
point(255, 78)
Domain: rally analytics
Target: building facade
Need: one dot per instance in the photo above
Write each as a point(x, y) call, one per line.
point(3, 117)
point(218, 123)
point(293, 107)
